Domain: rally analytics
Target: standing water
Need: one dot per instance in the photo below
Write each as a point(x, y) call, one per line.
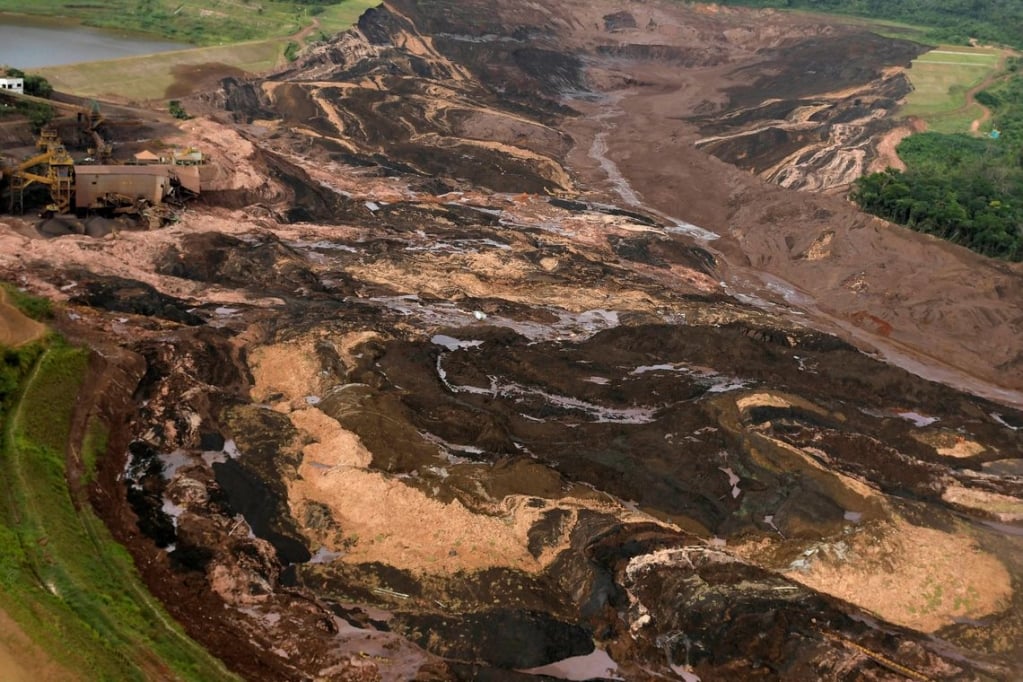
point(29, 43)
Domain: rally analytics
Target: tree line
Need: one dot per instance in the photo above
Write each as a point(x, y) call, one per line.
point(949, 21)
point(966, 189)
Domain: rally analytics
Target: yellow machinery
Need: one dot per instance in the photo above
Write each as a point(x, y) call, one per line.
point(57, 172)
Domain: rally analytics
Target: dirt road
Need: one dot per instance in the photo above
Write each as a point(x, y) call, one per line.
point(16, 329)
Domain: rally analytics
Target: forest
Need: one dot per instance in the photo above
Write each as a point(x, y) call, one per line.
point(948, 21)
point(966, 189)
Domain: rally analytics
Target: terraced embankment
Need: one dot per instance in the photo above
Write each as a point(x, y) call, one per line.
point(73, 592)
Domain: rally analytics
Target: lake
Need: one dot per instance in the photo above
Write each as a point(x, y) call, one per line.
point(28, 43)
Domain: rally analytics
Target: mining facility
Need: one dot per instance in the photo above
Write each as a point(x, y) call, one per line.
point(144, 189)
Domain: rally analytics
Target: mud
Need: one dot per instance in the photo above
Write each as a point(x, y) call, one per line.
point(397, 412)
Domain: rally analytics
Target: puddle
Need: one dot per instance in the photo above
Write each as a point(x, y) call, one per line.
point(733, 481)
point(230, 451)
point(576, 326)
point(522, 394)
point(1001, 420)
point(172, 510)
point(452, 343)
point(714, 382)
point(597, 665)
point(320, 245)
point(918, 419)
point(173, 461)
point(324, 556)
point(448, 450)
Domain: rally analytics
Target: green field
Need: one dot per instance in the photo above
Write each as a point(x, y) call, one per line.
point(136, 79)
point(70, 587)
point(248, 35)
point(942, 80)
point(199, 22)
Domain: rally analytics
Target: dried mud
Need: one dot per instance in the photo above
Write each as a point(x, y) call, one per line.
point(476, 361)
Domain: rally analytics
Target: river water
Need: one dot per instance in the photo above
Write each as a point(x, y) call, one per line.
point(28, 43)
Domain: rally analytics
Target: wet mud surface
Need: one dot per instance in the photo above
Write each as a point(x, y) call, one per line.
point(431, 387)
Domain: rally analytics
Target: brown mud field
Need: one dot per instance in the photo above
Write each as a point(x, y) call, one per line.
point(525, 342)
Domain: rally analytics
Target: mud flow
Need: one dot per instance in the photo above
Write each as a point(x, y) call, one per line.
point(504, 348)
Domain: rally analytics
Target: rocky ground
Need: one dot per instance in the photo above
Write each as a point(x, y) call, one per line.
point(481, 360)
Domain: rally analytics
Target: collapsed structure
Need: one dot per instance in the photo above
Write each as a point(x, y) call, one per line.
point(141, 190)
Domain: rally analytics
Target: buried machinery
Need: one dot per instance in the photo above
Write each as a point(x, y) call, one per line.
point(140, 191)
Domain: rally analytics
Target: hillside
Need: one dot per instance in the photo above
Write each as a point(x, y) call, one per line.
point(483, 355)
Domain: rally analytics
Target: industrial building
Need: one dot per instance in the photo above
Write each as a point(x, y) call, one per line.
point(104, 186)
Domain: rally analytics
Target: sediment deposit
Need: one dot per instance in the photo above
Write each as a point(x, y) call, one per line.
point(488, 357)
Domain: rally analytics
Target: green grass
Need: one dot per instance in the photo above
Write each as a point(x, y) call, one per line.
point(199, 22)
point(36, 307)
point(93, 447)
point(883, 27)
point(941, 80)
point(151, 77)
point(340, 17)
point(63, 578)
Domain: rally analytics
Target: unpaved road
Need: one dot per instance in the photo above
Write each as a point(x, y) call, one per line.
point(23, 661)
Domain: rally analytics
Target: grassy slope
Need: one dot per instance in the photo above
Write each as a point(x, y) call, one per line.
point(200, 22)
point(941, 80)
point(69, 585)
point(232, 32)
point(142, 78)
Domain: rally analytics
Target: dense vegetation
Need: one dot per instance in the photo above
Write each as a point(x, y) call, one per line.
point(34, 84)
point(38, 114)
point(949, 21)
point(966, 189)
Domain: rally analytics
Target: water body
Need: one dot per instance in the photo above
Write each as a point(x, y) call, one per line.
point(29, 43)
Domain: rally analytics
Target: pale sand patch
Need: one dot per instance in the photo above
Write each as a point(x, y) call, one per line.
point(289, 368)
point(382, 518)
point(920, 578)
point(403, 527)
point(334, 446)
point(392, 522)
point(486, 276)
point(1003, 507)
point(821, 247)
point(347, 343)
point(774, 399)
point(762, 400)
point(950, 443)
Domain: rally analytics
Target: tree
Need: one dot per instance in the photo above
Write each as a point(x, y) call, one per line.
point(38, 86)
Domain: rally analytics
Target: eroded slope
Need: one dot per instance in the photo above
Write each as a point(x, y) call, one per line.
point(406, 415)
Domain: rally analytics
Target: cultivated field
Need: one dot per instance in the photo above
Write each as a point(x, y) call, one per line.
point(945, 81)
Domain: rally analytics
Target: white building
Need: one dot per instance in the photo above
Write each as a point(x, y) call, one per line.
point(13, 84)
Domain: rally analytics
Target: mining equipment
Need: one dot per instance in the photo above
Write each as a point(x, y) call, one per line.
point(53, 167)
point(146, 192)
point(89, 120)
